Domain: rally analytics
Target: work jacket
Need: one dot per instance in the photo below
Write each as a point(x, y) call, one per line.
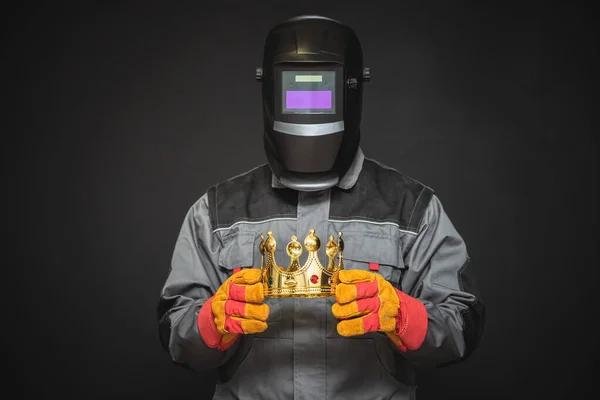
point(387, 219)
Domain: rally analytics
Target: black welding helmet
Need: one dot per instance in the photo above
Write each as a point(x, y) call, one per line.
point(312, 77)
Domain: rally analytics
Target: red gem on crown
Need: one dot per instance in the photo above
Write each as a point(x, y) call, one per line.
point(314, 279)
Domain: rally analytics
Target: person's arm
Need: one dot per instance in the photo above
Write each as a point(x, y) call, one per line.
point(436, 318)
point(439, 276)
point(192, 281)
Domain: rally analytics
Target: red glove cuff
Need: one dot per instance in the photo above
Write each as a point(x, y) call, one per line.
point(411, 323)
point(208, 330)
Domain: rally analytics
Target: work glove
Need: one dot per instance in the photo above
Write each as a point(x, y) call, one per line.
point(237, 308)
point(366, 302)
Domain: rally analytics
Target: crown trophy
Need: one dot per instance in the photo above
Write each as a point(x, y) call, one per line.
point(309, 280)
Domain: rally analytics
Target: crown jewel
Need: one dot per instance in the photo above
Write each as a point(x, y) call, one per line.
point(309, 280)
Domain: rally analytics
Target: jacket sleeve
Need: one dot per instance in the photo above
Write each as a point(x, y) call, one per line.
point(193, 278)
point(439, 275)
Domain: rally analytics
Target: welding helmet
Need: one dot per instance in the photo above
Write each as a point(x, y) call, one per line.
point(312, 78)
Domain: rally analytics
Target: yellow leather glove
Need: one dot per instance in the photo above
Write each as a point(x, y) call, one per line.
point(366, 302)
point(237, 308)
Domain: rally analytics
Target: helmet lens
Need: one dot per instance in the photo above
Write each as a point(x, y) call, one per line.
point(308, 92)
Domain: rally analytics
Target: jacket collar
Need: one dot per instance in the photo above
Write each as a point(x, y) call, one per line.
point(347, 181)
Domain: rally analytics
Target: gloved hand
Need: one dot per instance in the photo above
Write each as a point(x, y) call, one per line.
point(236, 309)
point(366, 302)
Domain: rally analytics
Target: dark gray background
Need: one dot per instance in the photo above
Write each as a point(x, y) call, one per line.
point(122, 115)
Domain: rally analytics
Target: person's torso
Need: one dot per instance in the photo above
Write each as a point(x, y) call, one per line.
point(301, 355)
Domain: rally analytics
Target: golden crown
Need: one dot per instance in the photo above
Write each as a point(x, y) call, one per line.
point(308, 280)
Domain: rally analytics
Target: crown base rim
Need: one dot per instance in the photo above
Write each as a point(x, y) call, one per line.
point(303, 293)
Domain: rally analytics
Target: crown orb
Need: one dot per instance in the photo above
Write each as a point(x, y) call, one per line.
point(294, 249)
point(331, 248)
point(340, 242)
point(262, 244)
point(270, 243)
point(312, 242)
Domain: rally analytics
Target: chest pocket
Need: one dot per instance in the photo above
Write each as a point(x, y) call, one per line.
point(376, 253)
point(241, 250)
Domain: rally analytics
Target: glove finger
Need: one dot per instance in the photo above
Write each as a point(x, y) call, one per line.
point(346, 293)
point(235, 308)
point(220, 316)
point(390, 303)
point(356, 308)
point(253, 293)
point(244, 326)
point(359, 326)
point(248, 276)
point(355, 276)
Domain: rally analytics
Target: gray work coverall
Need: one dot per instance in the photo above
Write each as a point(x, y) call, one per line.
point(386, 218)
